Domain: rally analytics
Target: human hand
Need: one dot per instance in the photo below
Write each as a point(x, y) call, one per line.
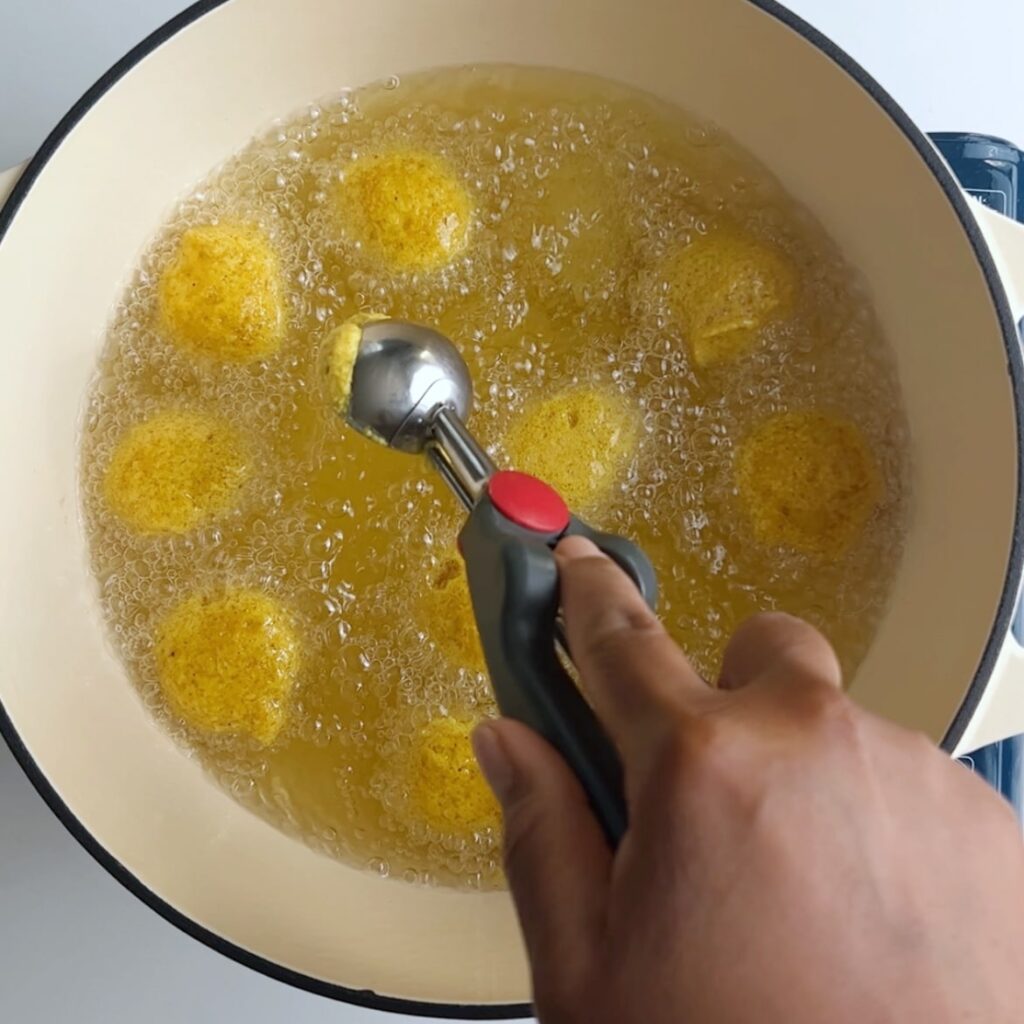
point(790, 857)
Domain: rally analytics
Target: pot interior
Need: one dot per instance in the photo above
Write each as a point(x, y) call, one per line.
point(197, 98)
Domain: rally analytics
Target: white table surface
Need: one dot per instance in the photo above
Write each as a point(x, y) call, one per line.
point(74, 945)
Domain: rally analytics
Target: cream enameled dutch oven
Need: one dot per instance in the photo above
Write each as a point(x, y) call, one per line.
point(939, 271)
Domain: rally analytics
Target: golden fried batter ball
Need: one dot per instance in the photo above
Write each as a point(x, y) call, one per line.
point(580, 441)
point(446, 616)
point(447, 792)
point(407, 207)
point(725, 288)
point(808, 481)
point(175, 470)
point(342, 351)
point(227, 663)
point(221, 294)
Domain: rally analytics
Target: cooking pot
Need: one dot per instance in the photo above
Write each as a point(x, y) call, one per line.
point(938, 270)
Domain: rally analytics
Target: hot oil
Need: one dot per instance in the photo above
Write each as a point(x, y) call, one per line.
point(582, 191)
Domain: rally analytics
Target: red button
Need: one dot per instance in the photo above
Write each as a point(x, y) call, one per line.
point(528, 502)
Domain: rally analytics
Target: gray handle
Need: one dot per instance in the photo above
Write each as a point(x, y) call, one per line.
point(513, 583)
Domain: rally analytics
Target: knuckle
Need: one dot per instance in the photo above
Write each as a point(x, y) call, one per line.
point(827, 708)
point(699, 757)
point(779, 643)
point(615, 632)
point(687, 744)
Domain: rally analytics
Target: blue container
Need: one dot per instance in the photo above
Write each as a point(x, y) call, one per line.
point(992, 170)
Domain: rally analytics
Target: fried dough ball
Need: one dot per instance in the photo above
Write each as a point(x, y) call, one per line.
point(808, 481)
point(580, 441)
point(447, 792)
point(174, 471)
point(220, 296)
point(446, 615)
point(725, 288)
point(408, 208)
point(342, 351)
point(227, 663)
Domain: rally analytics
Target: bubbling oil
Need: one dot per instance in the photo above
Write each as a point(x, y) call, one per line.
point(581, 192)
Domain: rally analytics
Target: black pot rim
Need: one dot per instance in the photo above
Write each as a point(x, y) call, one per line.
point(1000, 625)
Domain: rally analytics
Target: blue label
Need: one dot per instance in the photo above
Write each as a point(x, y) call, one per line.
point(994, 198)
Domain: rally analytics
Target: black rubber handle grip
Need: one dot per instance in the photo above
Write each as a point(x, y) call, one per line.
point(513, 583)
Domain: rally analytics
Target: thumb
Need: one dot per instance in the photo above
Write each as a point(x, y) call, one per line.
point(556, 857)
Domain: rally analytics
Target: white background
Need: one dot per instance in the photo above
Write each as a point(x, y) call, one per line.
point(74, 945)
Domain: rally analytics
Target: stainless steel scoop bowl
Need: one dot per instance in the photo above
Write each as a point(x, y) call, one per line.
point(403, 374)
point(411, 390)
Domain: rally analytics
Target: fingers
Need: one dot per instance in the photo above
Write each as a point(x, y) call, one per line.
point(777, 649)
point(556, 857)
point(632, 670)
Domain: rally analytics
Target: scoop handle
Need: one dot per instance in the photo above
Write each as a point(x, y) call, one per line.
point(513, 584)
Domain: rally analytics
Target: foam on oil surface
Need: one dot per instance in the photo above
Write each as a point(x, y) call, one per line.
point(563, 171)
